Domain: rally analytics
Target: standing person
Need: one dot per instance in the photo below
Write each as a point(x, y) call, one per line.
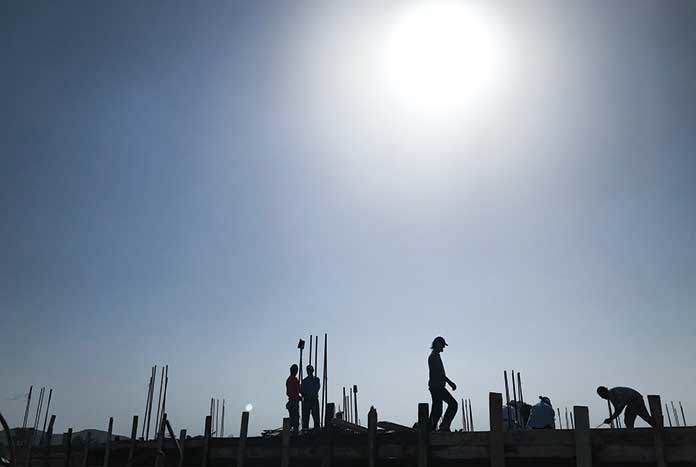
point(292, 389)
point(438, 391)
point(628, 398)
point(310, 398)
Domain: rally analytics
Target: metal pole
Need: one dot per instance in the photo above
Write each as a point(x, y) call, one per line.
point(37, 416)
point(514, 395)
point(674, 409)
point(48, 406)
point(669, 418)
point(566, 416)
point(159, 405)
point(345, 412)
point(311, 343)
point(166, 383)
point(471, 417)
point(26, 410)
point(507, 400)
point(682, 412)
point(560, 421)
point(464, 415)
point(316, 355)
point(324, 391)
point(572, 421)
point(152, 399)
point(222, 422)
point(355, 401)
point(519, 390)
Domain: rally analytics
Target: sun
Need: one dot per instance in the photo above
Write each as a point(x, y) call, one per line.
point(440, 54)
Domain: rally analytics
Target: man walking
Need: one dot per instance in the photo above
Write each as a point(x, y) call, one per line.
point(628, 398)
point(438, 391)
point(310, 398)
point(292, 389)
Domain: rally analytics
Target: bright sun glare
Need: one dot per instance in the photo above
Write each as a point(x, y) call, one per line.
point(441, 54)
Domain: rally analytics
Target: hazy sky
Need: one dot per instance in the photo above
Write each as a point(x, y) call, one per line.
point(201, 184)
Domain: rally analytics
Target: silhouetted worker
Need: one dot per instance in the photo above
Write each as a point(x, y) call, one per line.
point(438, 391)
point(292, 389)
point(542, 415)
point(628, 398)
point(310, 398)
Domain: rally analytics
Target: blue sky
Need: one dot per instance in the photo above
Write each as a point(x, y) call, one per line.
point(201, 185)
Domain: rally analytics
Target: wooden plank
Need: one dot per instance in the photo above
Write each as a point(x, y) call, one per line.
point(206, 440)
point(107, 448)
point(68, 447)
point(85, 455)
point(133, 440)
point(496, 451)
point(396, 427)
point(348, 426)
point(241, 447)
point(285, 444)
point(327, 455)
point(656, 413)
point(423, 434)
point(372, 437)
point(583, 446)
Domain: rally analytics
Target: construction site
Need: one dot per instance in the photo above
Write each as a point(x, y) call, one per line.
point(342, 438)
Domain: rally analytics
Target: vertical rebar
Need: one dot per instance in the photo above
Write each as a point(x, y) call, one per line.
point(159, 404)
point(566, 417)
point(682, 412)
point(514, 395)
point(26, 410)
point(222, 422)
point(316, 355)
point(676, 417)
point(560, 421)
point(507, 401)
point(669, 418)
point(48, 406)
point(37, 416)
point(152, 399)
point(164, 397)
point(324, 390)
point(311, 342)
point(519, 391)
point(471, 417)
point(355, 401)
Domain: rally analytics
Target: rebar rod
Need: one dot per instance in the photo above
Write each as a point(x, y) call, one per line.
point(48, 406)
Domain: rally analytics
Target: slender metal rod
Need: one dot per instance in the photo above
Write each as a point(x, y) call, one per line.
point(669, 418)
point(164, 396)
point(311, 343)
point(514, 395)
point(316, 355)
point(471, 417)
point(159, 404)
point(566, 417)
point(26, 410)
point(676, 417)
point(682, 412)
point(355, 401)
point(37, 416)
point(48, 406)
point(519, 391)
point(222, 422)
point(152, 399)
point(323, 387)
point(464, 415)
point(345, 413)
point(507, 401)
point(560, 421)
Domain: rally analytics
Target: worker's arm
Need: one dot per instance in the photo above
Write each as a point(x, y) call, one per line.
point(617, 412)
point(451, 383)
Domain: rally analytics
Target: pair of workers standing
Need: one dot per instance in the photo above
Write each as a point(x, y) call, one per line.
point(308, 393)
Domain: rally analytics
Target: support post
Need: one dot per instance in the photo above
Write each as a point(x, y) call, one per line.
point(372, 437)
point(206, 440)
point(680, 408)
point(241, 448)
point(48, 407)
point(182, 442)
point(656, 413)
point(133, 439)
point(583, 446)
point(496, 452)
point(68, 447)
point(107, 448)
point(85, 455)
point(471, 418)
point(327, 459)
point(49, 435)
point(285, 446)
point(423, 434)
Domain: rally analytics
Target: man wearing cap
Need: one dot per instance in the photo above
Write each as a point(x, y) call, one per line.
point(310, 398)
point(542, 415)
point(438, 391)
point(628, 398)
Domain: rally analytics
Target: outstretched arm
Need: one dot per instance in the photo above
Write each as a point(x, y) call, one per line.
point(617, 412)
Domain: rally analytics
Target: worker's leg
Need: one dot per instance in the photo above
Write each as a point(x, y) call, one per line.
point(630, 417)
point(294, 410)
point(642, 412)
point(436, 409)
point(315, 413)
point(305, 415)
point(450, 412)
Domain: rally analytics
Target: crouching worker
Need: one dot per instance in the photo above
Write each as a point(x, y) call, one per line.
point(292, 389)
point(542, 415)
point(627, 398)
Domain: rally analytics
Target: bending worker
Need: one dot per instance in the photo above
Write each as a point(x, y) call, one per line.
point(628, 398)
point(542, 415)
point(310, 398)
point(438, 391)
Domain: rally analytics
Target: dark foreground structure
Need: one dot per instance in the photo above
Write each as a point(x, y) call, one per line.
point(341, 443)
